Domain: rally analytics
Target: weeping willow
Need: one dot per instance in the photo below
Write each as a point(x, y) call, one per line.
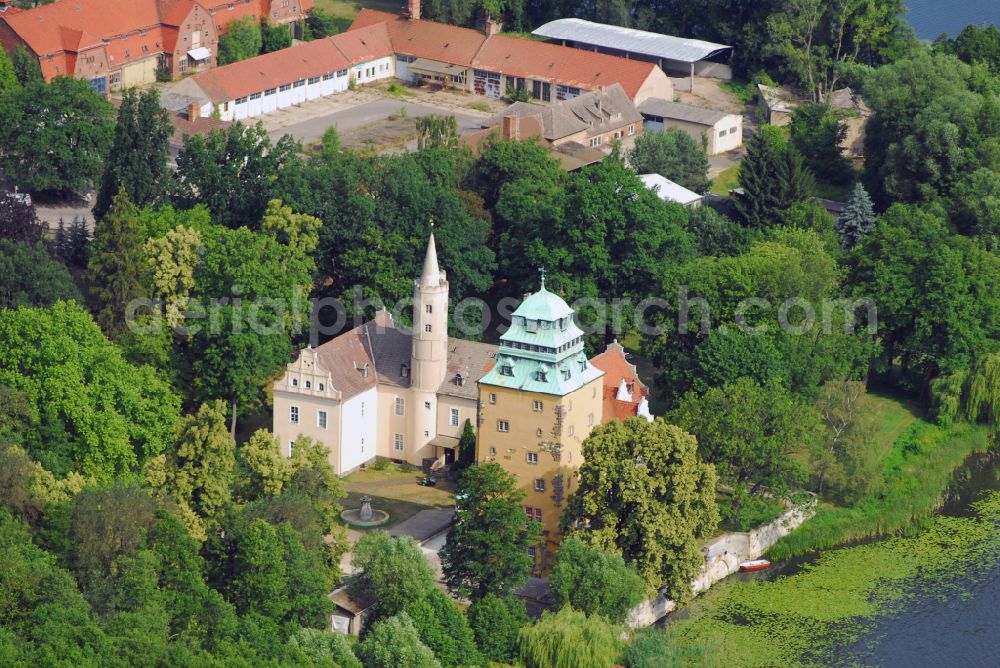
point(570, 639)
point(946, 397)
point(982, 401)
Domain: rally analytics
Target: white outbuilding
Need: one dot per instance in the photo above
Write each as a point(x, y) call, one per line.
point(669, 191)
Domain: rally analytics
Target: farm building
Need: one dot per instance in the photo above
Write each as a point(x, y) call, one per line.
point(283, 78)
point(669, 191)
point(723, 131)
point(677, 55)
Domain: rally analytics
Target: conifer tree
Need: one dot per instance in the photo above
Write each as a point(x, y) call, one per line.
point(115, 272)
point(857, 219)
point(466, 447)
point(138, 157)
point(773, 177)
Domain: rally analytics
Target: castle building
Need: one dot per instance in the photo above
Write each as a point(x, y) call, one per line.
point(383, 391)
point(537, 405)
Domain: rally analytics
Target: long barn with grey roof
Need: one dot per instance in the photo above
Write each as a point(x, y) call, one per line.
point(679, 55)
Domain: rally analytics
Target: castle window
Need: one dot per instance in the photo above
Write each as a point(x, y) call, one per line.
point(400, 406)
point(428, 308)
point(321, 419)
point(590, 420)
point(295, 382)
point(503, 426)
point(309, 384)
point(427, 327)
point(538, 432)
point(293, 414)
point(533, 513)
point(532, 457)
point(397, 442)
point(493, 397)
point(539, 485)
point(572, 430)
point(322, 387)
point(453, 417)
point(536, 406)
point(291, 446)
point(427, 405)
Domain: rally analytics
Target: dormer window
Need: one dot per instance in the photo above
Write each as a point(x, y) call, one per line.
point(531, 325)
point(541, 376)
point(460, 380)
point(565, 374)
point(506, 370)
point(404, 370)
point(364, 370)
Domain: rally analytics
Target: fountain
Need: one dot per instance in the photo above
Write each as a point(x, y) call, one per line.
point(365, 516)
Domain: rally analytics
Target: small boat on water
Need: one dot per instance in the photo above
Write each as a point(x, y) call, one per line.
point(755, 565)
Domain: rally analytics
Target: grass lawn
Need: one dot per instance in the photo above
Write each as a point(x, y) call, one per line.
point(346, 10)
point(395, 490)
point(726, 181)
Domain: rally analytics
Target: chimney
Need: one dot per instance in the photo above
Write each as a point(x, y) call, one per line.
point(512, 127)
point(492, 26)
point(414, 10)
point(194, 111)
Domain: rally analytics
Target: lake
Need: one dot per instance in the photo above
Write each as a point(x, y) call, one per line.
point(930, 18)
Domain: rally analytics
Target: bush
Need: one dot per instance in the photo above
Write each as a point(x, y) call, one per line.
point(394, 642)
point(275, 38)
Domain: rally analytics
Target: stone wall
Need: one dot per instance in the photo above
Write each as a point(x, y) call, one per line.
point(723, 556)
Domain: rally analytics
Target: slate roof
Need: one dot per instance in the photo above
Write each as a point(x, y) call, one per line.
point(595, 112)
point(471, 359)
point(346, 357)
point(655, 106)
point(653, 44)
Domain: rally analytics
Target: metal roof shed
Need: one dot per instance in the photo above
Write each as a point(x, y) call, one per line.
point(631, 42)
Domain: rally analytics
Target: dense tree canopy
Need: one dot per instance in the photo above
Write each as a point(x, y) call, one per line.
point(594, 581)
point(55, 136)
point(674, 154)
point(91, 411)
point(30, 277)
point(240, 39)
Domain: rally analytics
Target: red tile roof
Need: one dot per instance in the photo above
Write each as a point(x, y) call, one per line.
point(425, 39)
point(365, 44)
point(512, 56)
point(616, 368)
point(271, 70)
point(75, 24)
point(519, 57)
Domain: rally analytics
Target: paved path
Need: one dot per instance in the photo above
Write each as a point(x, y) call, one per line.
point(348, 118)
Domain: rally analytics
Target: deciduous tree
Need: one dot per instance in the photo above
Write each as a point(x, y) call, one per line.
point(19, 221)
point(594, 581)
point(392, 572)
point(55, 136)
point(570, 638)
point(240, 39)
point(30, 277)
point(487, 548)
point(496, 622)
point(395, 642)
point(673, 154)
point(645, 494)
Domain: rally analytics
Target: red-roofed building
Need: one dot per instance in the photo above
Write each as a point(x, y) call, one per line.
point(119, 43)
point(625, 395)
point(380, 45)
point(290, 76)
point(490, 64)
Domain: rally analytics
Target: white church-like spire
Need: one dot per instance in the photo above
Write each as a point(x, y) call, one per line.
point(431, 275)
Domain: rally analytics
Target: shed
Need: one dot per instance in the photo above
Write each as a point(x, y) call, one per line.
point(777, 104)
point(669, 191)
point(679, 55)
point(854, 114)
point(350, 613)
point(722, 130)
